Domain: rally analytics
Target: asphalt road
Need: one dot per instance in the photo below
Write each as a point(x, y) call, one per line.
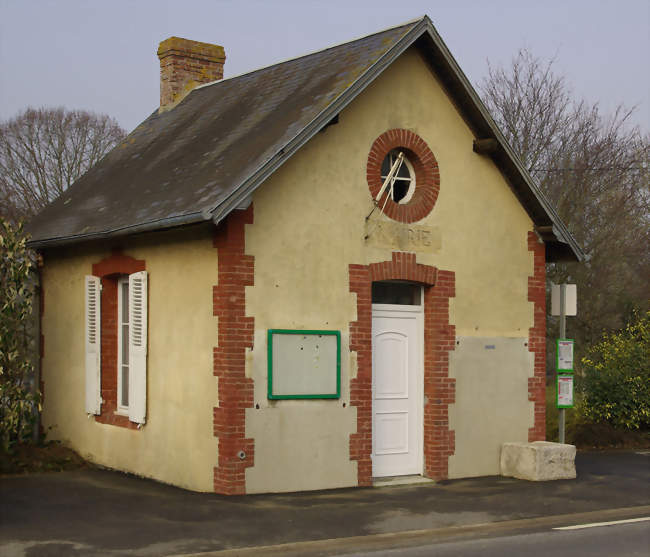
point(98, 512)
point(623, 540)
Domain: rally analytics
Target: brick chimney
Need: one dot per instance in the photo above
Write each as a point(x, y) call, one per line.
point(184, 64)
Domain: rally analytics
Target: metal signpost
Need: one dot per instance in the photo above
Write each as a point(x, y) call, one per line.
point(564, 361)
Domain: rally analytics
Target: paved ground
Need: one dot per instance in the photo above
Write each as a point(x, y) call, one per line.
point(106, 513)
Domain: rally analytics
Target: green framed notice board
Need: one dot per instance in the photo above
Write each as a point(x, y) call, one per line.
point(304, 364)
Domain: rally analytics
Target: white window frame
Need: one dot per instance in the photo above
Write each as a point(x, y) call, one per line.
point(419, 307)
point(121, 281)
point(392, 156)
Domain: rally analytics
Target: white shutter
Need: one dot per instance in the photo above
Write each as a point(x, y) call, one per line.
point(138, 347)
point(93, 341)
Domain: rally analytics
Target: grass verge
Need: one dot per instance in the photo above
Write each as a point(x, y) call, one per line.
point(48, 457)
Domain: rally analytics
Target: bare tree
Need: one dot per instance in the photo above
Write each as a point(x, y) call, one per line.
point(595, 170)
point(43, 151)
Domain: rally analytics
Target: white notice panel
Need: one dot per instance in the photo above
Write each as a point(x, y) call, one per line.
point(565, 354)
point(304, 364)
point(565, 391)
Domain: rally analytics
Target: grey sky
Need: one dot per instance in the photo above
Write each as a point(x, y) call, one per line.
point(101, 55)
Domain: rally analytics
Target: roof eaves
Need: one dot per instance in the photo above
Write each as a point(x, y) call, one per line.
point(150, 226)
point(248, 186)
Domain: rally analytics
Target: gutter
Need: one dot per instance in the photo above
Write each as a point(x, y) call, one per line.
point(159, 224)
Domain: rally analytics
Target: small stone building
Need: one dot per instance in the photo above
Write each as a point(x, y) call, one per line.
point(310, 276)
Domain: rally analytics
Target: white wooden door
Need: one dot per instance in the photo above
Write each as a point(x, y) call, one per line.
point(397, 383)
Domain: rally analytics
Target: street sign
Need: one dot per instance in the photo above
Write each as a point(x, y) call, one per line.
point(570, 299)
point(565, 355)
point(565, 391)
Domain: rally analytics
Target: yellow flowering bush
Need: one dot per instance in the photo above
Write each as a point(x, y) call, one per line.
point(616, 382)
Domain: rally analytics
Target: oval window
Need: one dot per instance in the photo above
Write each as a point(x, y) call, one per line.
point(402, 183)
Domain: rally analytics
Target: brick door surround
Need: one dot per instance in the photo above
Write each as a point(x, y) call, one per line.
point(439, 339)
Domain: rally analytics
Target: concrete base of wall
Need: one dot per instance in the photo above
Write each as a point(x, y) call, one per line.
point(538, 461)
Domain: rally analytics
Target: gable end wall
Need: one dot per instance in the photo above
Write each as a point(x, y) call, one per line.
point(313, 244)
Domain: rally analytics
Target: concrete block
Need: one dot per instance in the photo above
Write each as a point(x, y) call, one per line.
point(538, 461)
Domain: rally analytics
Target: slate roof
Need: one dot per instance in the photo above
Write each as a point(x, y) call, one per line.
point(203, 158)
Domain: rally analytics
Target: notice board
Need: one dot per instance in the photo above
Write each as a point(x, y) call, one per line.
point(304, 364)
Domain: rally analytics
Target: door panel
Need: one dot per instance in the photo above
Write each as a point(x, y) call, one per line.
point(392, 433)
point(391, 371)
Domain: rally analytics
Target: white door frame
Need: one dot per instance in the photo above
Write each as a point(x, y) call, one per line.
point(391, 310)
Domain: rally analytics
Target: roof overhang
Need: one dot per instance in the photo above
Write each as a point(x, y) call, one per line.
point(561, 246)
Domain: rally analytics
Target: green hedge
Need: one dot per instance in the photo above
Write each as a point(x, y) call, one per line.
point(615, 387)
point(19, 397)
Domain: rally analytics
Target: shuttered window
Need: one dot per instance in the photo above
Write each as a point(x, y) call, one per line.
point(131, 349)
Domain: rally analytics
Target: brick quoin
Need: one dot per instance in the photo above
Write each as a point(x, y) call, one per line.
point(235, 335)
point(439, 339)
point(537, 338)
point(439, 388)
point(109, 270)
point(427, 183)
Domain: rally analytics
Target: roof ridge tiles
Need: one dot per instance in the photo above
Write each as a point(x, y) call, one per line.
point(410, 23)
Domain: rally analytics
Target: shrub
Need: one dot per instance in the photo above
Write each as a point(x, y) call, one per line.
point(616, 382)
point(19, 399)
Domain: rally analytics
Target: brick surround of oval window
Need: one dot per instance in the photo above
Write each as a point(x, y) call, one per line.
point(427, 176)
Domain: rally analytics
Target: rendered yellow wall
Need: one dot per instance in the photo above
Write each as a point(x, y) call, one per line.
point(310, 224)
point(176, 445)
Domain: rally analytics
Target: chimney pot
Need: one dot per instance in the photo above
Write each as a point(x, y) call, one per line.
point(184, 64)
